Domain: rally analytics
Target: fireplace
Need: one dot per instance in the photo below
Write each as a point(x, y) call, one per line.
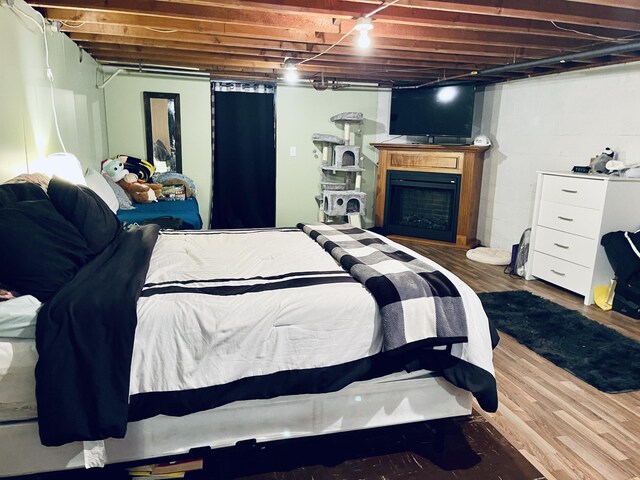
point(462, 162)
point(422, 204)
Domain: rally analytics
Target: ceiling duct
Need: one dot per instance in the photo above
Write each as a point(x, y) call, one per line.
point(616, 49)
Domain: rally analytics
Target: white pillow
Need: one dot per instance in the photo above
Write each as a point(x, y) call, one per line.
point(18, 317)
point(97, 183)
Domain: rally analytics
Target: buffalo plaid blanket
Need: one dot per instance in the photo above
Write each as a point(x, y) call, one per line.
point(416, 301)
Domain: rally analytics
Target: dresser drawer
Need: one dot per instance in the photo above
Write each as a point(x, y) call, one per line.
point(581, 192)
point(571, 219)
point(566, 246)
point(560, 272)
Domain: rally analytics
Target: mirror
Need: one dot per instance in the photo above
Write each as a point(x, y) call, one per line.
point(162, 122)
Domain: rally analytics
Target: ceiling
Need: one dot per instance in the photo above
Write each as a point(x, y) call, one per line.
point(413, 41)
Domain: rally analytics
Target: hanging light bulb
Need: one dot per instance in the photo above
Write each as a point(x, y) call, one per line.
point(363, 26)
point(290, 73)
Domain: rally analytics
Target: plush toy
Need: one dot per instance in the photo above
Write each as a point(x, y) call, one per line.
point(140, 167)
point(115, 169)
point(140, 192)
point(599, 163)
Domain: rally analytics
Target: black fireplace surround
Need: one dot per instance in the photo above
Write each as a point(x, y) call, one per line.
point(422, 204)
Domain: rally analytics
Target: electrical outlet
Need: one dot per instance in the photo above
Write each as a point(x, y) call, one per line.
point(293, 151)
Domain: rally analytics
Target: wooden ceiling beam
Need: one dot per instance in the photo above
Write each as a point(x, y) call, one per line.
point(397, 46)
point(324, 22)
point(265, 65)
point(85, 40)
point(180, 25)
point(633, 4)
point(265, 62)
point(409, 32)
point(387, 30)
point(596, 13)
point(545, 10)
point(182, 11)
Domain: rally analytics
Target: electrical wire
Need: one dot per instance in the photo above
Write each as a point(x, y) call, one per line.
point(160, 30)
point(368, 15)
point(82, 24)
point(328, 48)
point(380, 8)
point(49, 72)
point(609, 39)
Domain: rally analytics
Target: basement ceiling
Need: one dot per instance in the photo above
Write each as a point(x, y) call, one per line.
point(412, 41)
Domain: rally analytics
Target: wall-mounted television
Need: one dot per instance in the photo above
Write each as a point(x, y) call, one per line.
point(441, 111)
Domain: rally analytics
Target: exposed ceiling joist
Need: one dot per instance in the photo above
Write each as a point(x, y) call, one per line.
point(413, 41)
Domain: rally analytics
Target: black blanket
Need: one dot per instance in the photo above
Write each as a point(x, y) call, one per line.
point(84, 338)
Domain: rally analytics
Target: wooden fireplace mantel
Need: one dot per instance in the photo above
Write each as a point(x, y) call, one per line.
point(465, 160)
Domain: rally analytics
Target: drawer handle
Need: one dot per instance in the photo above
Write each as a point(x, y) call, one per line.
point(566, 219)
point(558, 273)
point(561, 246)
point(569, 191)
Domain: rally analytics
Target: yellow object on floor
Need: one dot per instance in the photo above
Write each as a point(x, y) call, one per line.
point(603, 296)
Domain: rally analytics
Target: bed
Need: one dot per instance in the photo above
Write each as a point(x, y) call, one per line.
point(161, 342)
point(186, 210)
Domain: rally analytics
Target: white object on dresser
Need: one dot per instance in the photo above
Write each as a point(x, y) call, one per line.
point(571, 214)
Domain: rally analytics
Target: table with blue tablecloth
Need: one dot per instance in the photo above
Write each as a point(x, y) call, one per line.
point(186, 210)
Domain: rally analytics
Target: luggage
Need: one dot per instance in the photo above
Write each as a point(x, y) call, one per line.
point(627, 299)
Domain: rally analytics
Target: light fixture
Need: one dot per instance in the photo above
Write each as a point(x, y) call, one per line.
point(290, 72)
point(363, 26)
point(64, 165)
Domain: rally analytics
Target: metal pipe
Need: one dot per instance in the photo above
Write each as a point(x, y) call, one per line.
point(563, 58)
point(113, 75)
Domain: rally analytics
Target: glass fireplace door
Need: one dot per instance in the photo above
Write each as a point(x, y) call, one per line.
point(422, 204)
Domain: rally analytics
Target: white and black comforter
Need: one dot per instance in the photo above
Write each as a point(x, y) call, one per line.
point(231, 315)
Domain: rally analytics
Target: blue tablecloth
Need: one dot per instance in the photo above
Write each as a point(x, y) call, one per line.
point(186, 210)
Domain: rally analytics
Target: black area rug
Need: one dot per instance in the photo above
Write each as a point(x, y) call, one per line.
point(592, 352)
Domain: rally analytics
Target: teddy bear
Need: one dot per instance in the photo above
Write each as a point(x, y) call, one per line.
point(140, 192)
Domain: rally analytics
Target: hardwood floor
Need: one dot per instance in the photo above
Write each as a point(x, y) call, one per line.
point(563, 426)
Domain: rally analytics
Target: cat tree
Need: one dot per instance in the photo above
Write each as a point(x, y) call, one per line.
point(341, 173)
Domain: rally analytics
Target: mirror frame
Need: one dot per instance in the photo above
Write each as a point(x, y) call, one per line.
point(148, 96)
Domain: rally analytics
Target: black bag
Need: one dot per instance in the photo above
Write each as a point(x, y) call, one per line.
point(167, 222)
point(627, 300)
point(620, 248)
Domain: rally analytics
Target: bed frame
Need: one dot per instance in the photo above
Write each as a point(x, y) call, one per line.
point(395, 399)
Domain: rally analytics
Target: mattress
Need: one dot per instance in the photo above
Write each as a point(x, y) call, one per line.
point(239, 339)
point(186, 210)
point(17, 381)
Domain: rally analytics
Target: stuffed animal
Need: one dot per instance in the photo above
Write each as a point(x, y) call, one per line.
point(599, 164)
point(115, 169)
point(140, 167)
point(140, 192)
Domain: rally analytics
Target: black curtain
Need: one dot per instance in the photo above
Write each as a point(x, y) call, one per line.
point(244, 159)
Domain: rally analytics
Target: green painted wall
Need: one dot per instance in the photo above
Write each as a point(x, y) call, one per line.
point(27, 127)
point(125, 119)
point(301, 112)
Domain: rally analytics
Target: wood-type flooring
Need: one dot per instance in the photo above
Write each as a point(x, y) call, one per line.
point(566, 428)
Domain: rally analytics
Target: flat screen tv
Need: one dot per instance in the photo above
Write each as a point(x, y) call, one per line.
point(442, 111)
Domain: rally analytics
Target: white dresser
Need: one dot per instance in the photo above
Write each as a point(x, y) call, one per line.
point(571, 214)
